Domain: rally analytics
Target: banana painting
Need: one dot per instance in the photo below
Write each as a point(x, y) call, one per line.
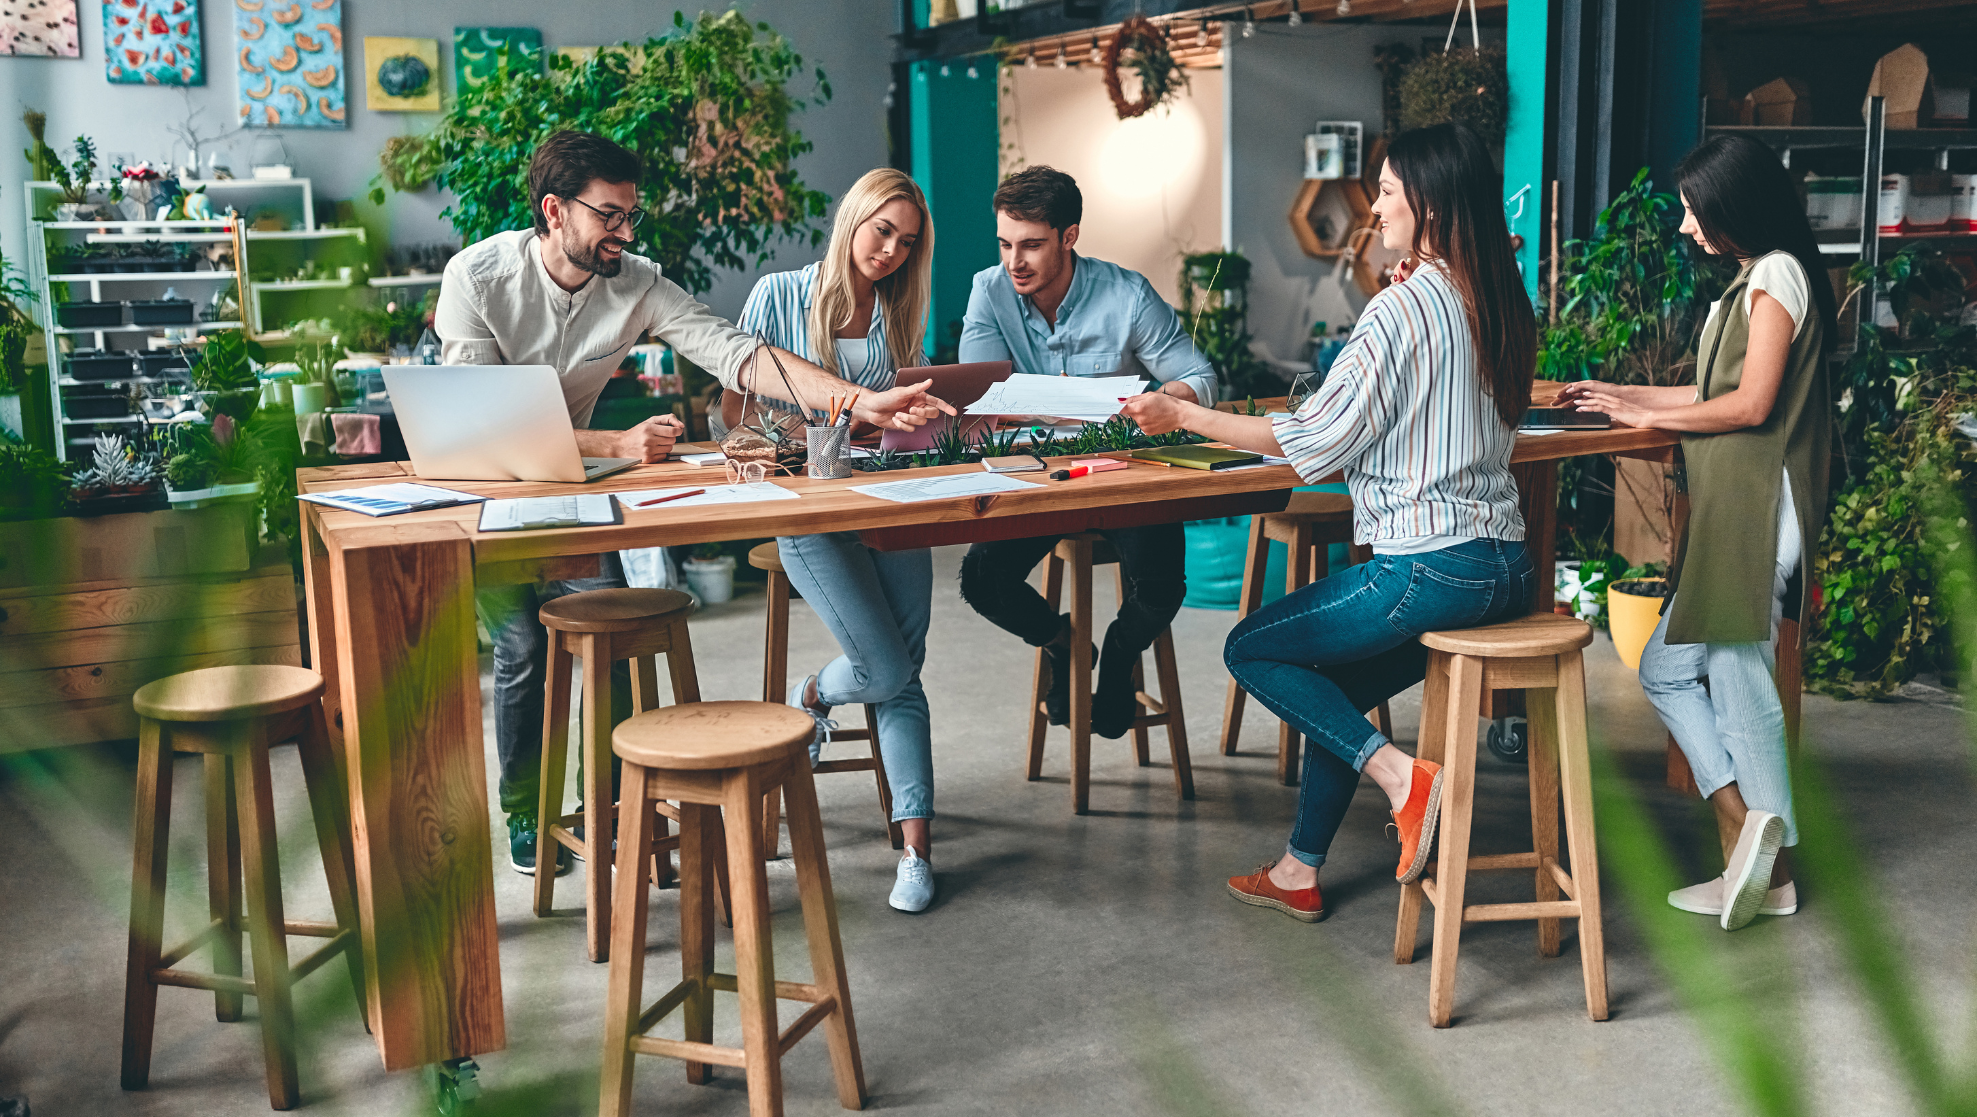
point(291, 60)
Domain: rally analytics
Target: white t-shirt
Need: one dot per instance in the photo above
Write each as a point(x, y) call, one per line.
point(1781, 276)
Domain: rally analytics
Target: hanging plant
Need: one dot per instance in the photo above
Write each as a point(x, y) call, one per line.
point(1161, 77)
point(1467, 86)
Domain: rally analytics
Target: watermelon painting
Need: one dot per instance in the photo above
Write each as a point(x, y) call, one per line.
point(290, 55)
point(152, 42)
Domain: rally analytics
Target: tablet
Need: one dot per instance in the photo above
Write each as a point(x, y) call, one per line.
point(1563, 419)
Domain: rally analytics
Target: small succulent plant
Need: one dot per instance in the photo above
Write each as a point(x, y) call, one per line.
point(117, 465)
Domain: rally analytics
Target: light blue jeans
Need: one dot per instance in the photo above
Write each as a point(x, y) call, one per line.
point(1733, 731)
point(878, 605)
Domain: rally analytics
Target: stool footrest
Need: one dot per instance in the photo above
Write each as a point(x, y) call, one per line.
point(690, 1052)
point(190, 946)
point(826, 767)
point(1510, 913)
point(822, 1004)
point(810, 1019)
point(310, 928)
point(211, 982)
point(1152, 704)
point(343, 940)
point(1563, 878)
point(1496, 862)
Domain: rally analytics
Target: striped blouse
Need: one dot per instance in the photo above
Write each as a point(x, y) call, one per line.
point(779, 309)
point(1404, 414)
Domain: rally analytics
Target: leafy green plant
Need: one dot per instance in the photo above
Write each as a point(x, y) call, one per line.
point(375, 327)
point(226, 363)
point(1214, 308)
point(15, 331)
point(74, 179)
point(707, 108)
point(116, 466)
point(951, 445)
point(1043, 441)
point(33, 483)
point(1463, 86)
point(41, 159)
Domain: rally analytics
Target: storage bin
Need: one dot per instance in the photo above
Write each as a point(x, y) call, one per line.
point(161, 312)
point(162, 361)
point(101, 364)
point(94, 403)
point(79, 315)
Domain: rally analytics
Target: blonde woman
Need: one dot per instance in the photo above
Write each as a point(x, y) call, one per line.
point(861, 313)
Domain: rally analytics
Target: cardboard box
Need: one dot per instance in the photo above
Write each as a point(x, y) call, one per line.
point(1902, 78)
point(1779, 103)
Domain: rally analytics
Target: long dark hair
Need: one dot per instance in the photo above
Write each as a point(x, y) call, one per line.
point(1744, 199)
point(1456, 192)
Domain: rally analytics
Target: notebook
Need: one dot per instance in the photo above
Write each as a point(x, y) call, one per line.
point(538, 512)
point(1198, 457)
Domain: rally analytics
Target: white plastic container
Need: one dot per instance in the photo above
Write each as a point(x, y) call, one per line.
point(1894, 203)
point(1963, 203)
point(1931, 198)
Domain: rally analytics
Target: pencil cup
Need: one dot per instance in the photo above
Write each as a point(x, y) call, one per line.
point(826, 445)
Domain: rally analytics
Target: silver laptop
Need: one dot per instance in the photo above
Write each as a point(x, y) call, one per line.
point(489, 423)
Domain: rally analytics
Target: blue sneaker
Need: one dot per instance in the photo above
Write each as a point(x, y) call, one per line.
point(913, 890)
point(824, 724)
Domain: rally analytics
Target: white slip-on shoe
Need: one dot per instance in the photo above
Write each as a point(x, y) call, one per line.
point(824, 724)
point(1703, 899)
point(1782, 900)
point(913, 890)
point(1748, 875)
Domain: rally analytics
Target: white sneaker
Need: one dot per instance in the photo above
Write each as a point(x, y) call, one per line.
point(1707, 899)
point(914, 888)
point(1748, 876)
point(824, 724)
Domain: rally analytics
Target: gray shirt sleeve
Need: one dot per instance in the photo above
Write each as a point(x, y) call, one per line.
point(464, 336)
point(697, 333)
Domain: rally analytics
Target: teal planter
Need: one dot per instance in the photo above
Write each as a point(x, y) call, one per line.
point(1217, 550)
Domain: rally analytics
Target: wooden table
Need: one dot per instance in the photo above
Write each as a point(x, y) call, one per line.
point(391, 606)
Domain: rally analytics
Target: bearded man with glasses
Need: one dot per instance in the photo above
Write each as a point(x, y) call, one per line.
point(567, 294)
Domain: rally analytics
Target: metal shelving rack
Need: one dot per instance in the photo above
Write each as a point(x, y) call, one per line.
point(294, 197)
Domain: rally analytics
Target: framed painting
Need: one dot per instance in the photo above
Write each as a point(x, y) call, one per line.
point(477, 52)
point(152, 42)
point(39, 27)
point(401, 75)
point(290, 63)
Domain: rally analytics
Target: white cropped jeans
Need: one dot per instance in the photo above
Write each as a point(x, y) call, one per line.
point(1733, 731)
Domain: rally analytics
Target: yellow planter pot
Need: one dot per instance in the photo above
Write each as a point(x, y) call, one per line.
point(1632, 618)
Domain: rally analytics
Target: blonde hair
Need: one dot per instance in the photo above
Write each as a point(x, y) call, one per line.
point(900, 297)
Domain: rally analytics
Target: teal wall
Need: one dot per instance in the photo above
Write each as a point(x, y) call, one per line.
point(1527, 40)
point(954, 144)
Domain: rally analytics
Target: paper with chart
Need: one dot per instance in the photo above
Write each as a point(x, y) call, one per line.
point(715, 494)
point(1091, 399)
point(945, 488)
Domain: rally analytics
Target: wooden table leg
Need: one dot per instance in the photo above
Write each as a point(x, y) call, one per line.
point(409, 684)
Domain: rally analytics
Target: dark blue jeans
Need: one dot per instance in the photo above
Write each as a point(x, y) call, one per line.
point(1323, 656)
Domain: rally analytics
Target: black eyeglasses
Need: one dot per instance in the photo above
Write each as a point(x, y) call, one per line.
point(614, 219)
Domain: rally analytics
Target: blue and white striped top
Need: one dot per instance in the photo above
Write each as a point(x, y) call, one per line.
point(1404, 413)
point(779, 308)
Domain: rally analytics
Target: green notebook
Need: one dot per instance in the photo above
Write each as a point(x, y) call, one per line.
point(1198, 457)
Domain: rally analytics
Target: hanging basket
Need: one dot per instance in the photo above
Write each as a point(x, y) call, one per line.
point(1161, 77)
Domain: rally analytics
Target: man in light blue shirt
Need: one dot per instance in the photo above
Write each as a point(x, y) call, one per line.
point(1050, 311)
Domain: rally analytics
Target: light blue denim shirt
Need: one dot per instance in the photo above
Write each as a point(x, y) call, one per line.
point(1111, 324)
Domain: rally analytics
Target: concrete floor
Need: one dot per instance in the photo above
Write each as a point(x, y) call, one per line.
point(1070, 965)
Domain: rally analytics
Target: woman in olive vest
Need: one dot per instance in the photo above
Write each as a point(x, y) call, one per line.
point(1756, 433)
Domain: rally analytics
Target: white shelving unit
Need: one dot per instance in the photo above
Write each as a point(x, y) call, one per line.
point(292, 199)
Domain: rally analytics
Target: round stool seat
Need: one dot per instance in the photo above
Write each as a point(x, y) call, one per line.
point(696, 736)
point(1316, 508)
point(228, 693)
point(1537, 634)
point(623, 610)
point(766, 557)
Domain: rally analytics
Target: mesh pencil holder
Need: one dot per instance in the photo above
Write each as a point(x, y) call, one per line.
point(826, 446)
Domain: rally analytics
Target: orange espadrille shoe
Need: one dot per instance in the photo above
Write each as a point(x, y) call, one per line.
point(1302, 904)
point(1416, 821)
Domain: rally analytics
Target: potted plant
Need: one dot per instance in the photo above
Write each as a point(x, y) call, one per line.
point(118, 477)
point(1633, 608)
point(711, 574)
point(224, 375)
point(74, 181)
point(33, 484)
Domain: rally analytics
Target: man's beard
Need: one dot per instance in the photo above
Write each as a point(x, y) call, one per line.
point(586, 257)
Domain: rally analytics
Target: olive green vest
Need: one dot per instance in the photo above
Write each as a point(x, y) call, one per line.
point(1725, 566)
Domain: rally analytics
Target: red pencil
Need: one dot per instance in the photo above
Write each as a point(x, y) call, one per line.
point(671, 496)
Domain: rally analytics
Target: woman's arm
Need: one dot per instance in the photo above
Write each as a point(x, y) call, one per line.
point(1748, 405)
point(1637, 395)
point(1159, 412)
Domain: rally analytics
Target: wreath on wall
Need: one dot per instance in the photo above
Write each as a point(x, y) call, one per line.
point(1161, 77)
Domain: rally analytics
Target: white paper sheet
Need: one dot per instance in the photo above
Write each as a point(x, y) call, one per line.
point(392, 499)
point(715, 494)
point(945, 488)
point(1089, 398)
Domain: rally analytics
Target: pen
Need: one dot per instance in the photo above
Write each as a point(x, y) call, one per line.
point(669, 496)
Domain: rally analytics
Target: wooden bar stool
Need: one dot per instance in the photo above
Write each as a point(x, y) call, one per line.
point(718, 760)
point(232, 715)
point(1540, 655)
point(1307, 527)
point(1080, 553)
point(775, 688)
point(601, 627)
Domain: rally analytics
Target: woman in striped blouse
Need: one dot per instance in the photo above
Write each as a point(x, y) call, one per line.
point(1420, 412)
point(860, 314)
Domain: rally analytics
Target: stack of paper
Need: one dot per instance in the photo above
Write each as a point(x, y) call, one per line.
point(713, 494)
point(392, 499)
point(944, 488)
point(1092, 399)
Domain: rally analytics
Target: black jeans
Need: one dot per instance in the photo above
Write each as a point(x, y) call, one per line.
point(994, 581)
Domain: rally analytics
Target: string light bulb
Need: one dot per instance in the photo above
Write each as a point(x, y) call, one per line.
point(1030, 63)
point(1248, 24)
point(972, 73)
point(1061, 64)
point(1297, 17)
point(945, 71)
point(1345, 7)
point(1097, 55)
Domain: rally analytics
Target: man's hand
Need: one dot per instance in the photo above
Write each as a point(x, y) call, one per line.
point(1158, 412)
point(651, 440)
point(904, 408)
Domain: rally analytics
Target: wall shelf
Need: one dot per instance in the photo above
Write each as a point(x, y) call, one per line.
point(137, 276)
point(405, 280)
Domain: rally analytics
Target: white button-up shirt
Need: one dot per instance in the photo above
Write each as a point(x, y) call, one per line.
point(499, 306)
